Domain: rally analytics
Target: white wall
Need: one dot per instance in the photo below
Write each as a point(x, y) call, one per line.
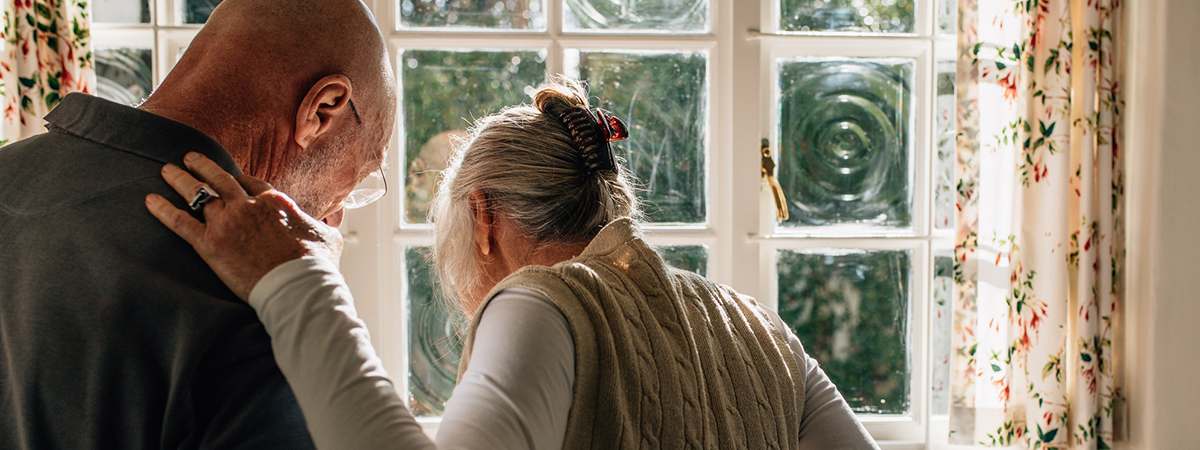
point(1163, 155)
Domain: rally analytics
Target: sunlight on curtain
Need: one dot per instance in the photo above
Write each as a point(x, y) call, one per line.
point(1039, 253)
point(46, 54)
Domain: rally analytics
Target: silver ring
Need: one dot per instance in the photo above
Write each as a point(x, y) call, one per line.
point(203, 195)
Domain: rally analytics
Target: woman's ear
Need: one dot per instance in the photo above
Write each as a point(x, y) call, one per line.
point(327, 99)
point(483, 220)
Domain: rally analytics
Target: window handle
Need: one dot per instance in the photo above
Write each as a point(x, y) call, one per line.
point(768, 173)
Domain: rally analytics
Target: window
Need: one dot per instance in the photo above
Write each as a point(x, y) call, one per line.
point(856, 98)
point(136, 42)
point(658, 82)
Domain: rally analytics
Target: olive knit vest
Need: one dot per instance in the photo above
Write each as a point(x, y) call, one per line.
point(664, 358)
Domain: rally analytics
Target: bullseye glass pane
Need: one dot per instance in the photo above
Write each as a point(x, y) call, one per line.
point(121, 11)
point(846, 142)
point(662, 98)
point(687, 257)
point(850, 309)
point(944, 187)
point(494, 15)
point(636, 15)
point(443, 92)
point(124, 75)
point(853, 16)
point(435, 337)
point(197, 11)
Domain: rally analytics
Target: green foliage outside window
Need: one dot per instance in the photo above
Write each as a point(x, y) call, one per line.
point(443, 93)
point(197, 11)
point(510, 14)
point(850, 309)
point(863, 16)
point(661, 97)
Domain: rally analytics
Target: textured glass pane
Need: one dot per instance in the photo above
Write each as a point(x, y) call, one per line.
point(197, 11)
point(943, 320)
point(850, 310)
point(489, 14)
point(856, 16)
point(943, 203)
point(947, 13)
point(661, 97)
point(121, 11)
point(435, 337)
point(443, 91)
point(846, 141)
point(124, 75)
point(636, 15)
point(686, 257)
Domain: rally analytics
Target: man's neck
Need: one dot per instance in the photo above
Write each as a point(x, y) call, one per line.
point(187, 116)
point(252, 145)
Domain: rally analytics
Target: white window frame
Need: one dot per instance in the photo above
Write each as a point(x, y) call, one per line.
point(882, 427)
point(921, 428)
point(166, 35)
point(740, 235)
point(392, 340)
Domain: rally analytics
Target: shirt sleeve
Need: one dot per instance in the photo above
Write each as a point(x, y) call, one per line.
point(517, 392)
point(325, 352)
point(827, 421)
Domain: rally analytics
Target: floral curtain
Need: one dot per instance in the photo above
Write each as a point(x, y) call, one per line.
point(1039, 254)
point(47, 53)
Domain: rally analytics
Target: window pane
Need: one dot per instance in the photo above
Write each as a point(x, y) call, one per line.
point(197, 11)
point(860, 16)
point(497, 14)
point(635, 15)
point(943, 203)
point(687, 257)
point(124, 75)
point(435, 82)
point(846, 141)
point(435, 337)
point(943, 321)
point(121, 11)
point(662, 98)
point(947, 16)
point(850, 309)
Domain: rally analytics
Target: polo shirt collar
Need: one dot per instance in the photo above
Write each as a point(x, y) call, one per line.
point(135, 131)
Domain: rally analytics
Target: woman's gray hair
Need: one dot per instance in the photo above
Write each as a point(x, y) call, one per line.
point(531, 172)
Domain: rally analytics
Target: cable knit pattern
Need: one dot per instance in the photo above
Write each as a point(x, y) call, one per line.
point(665, 359)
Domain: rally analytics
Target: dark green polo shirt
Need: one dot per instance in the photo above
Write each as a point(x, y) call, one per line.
point(113, 332)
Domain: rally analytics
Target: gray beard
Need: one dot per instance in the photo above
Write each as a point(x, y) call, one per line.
point(304, 182)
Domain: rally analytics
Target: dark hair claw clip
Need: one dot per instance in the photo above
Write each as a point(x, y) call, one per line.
point(593, 133)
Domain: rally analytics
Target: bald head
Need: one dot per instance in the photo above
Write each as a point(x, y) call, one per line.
point(279, 85)
point(292, 44)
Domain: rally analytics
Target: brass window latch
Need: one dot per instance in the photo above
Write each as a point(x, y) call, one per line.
point(768, 173)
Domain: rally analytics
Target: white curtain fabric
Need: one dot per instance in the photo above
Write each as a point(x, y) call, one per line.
point(1039, 253)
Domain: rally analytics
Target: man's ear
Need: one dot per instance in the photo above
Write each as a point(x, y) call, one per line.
point(483, 220)
point(327, 99)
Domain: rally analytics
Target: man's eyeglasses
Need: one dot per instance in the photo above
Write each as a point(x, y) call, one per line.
point(359, 198)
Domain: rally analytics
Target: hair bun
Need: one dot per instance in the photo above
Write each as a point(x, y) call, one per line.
point(559, 94)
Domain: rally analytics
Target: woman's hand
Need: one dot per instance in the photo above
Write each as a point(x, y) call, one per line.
point(248, 231)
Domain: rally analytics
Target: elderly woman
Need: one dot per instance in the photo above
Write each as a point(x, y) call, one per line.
point(581, 336)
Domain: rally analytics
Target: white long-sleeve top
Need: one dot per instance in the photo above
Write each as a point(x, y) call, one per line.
point(516, 394)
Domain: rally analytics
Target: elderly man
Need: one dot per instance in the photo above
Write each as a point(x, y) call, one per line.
point(113, 333)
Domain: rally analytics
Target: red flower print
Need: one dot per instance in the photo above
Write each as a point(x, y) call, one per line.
point(1037, 315)
point(1009, 83)
point(1003, 390)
